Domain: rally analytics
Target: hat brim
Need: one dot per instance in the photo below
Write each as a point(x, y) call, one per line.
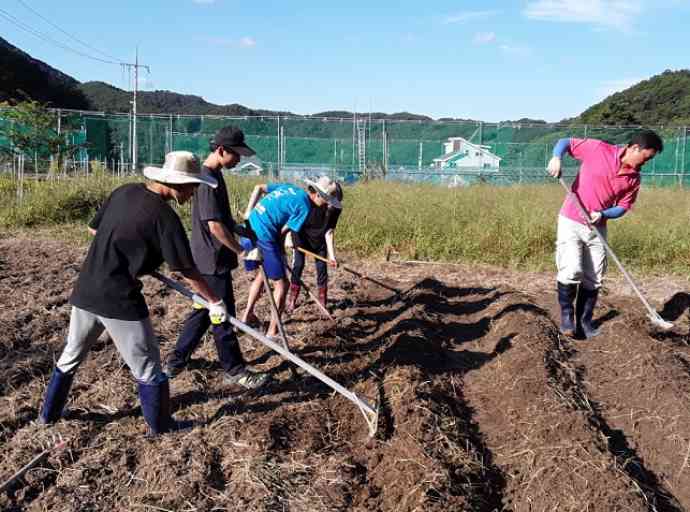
point(332, 201)
point(243, 150)
point(177, 178)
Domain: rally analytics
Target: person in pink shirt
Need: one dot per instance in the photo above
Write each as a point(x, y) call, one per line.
point(607, 185)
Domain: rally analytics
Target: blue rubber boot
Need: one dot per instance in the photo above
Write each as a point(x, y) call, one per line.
point(566, 297)
point(56, 396)
point(586, 302)
point(155, 406)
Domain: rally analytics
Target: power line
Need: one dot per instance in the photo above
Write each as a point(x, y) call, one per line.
point(18, 23)
point(86, 45)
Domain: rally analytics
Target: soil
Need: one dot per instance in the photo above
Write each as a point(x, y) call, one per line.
point(483, 405)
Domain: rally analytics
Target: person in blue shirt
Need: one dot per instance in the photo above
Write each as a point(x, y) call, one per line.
point(272, 212)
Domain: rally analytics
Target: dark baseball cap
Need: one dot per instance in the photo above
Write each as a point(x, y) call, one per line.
point(232, 138)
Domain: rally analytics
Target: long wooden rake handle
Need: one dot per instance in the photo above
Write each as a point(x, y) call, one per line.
point(349, 269)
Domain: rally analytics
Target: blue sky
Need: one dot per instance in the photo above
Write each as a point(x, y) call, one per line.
point(488, 60)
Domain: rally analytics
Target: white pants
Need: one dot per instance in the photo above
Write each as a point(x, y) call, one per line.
point(135, 341)
point(580, 255)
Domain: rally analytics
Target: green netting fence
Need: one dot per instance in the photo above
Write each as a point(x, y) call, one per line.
point(452, 153)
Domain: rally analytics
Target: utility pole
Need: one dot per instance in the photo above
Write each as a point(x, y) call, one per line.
point(135, 87)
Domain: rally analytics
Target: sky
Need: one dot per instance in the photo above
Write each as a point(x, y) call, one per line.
point(484, 60)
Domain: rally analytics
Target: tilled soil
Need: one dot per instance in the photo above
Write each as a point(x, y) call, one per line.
point(483, 405)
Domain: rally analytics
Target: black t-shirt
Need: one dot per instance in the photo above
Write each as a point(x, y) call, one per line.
point(320, 220)
point(210, 255)
point(136, 230)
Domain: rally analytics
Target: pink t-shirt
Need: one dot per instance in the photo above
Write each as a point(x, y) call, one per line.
point(602, 181)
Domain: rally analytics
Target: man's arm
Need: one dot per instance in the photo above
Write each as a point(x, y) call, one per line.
point(198, 284)
point(560, 149)
point(330, 247)
point(217, 309)
point(258, 191)
point(615, 212)
point(224, 236)
point(91, 230)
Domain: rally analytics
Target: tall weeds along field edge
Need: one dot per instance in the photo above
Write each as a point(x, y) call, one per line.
point(512, 227)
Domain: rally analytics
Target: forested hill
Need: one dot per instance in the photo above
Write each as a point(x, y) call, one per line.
point(22, 77)
point(661, 100)
point(106, 98)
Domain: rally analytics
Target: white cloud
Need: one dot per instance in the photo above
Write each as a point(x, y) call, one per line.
point(244, 42)
point(466, 16)
point(484, 37)
point(516, 51)
point(247, 42)
point(204, 2)
point(610, 87)
point(618, 14)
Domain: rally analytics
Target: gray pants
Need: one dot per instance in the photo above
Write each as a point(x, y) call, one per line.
point(134, 340)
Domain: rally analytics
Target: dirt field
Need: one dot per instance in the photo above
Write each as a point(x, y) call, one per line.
point(484, 406)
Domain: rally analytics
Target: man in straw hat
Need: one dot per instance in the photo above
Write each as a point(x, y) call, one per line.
point(318, 236)
point(215, 251)
point(134, 232)
point(283, 208)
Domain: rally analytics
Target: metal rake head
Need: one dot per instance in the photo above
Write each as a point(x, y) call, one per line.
point(659, 322)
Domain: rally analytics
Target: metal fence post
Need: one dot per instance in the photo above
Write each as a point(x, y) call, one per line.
point(685, 140)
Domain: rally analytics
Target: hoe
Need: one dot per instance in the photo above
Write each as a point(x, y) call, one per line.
point(653, 316)
point(369, 411)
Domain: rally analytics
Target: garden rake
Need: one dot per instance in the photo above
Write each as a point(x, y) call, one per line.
point(368, 410)
point(652, 314)
point(351, 271)
point(5, 486)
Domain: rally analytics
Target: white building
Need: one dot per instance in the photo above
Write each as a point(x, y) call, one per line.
point(459, 153)
point(251, 168)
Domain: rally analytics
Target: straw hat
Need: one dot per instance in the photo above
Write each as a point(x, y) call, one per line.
point(180, 167)
point(327, 189)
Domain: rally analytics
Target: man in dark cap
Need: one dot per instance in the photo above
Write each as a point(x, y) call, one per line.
point(215, 251)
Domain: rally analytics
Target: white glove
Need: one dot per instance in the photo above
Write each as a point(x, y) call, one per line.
point(198, 302)
point(217, 312)
point(253, 255)
point(595, 217)
point(554, 167)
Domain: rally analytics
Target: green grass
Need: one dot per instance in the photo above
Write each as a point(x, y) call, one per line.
point(512, 227)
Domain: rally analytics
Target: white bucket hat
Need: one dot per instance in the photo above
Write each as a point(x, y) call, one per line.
point(180, 167)
point(327, 189)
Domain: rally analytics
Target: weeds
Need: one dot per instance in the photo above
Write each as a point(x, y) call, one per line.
point(506, 226)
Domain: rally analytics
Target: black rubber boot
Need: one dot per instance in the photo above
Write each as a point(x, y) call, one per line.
point(566, 297)
point(586, 301)
point(56, 396)
point(155, 406)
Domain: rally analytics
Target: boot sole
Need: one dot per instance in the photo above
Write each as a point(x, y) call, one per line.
point(592, 334)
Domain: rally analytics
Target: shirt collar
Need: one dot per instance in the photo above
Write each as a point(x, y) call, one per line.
point(625, 170)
